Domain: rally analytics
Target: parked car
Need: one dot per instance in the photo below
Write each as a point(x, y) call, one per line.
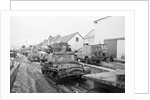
point(63, 65)
point(94, 53)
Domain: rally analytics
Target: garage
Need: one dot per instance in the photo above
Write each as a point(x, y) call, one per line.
point(116, 47)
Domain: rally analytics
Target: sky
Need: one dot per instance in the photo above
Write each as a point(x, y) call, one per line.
point(29, 30)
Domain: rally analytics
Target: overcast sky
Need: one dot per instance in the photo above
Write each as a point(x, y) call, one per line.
point(32, 30)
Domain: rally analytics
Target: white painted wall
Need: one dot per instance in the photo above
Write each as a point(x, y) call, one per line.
point(90, 38)
point(76, 45)
point(90, 41)
point(111, 27)
point(121, 49)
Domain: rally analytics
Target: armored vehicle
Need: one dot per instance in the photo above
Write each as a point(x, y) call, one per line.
point(33, 55)
point(43, 56)
point(63, 65)
point(61, 46)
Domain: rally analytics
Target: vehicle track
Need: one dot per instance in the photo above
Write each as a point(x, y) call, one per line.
point(69, 86)
point(52, 83)
point(79, 85)
point(65, 87)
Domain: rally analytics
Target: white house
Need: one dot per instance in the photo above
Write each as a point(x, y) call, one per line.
point(75, 40)
point(111, 31)
point(52, 40)
point(89, 38)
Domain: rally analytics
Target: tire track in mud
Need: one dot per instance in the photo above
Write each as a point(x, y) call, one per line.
point(41, 84)
point(23, 82)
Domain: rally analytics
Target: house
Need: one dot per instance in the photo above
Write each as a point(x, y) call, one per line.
point(75, 40)
point(45, 42)
point(52, 40)
point(111, 31)
point(89, 38)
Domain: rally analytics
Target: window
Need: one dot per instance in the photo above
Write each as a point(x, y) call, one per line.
point(77, 39)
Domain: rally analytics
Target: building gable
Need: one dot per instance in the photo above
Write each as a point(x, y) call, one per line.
point(90, 34)
point(66, 38)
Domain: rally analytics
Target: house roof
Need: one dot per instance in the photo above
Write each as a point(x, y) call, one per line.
point(120, 38)
point(64, 39)
point(45, 41)
point(50, 38)
point(90, 34)
point(53, 39)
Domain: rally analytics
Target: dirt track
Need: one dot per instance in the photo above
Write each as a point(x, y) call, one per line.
point(30, 80)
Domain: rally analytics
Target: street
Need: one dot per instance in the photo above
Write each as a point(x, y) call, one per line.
point(29, 79)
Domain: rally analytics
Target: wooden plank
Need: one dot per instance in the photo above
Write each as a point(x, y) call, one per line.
point(113, 65)
point(98, 67)
point(109, 77)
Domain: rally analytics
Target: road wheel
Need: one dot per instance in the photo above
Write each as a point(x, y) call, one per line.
point(98, 61)
point(97, 53)
point(111, 59)
point(87, 60)
point(107, 59)
point(55, 76)
point(76, 57)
